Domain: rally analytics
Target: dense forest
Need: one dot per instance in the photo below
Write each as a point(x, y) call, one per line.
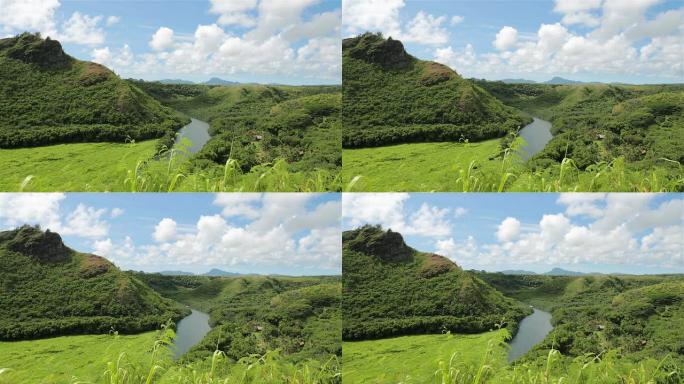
point(49, 289)
point(301, 317)
point(391, 97)
point(48, 97)
point(639, 316)
point(391, 289)
point(596, 123)
point(257, 124)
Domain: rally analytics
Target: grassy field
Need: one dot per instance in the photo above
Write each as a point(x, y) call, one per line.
point(57, 360)
point(416, 167)
point(71, 167)
point(414, 359)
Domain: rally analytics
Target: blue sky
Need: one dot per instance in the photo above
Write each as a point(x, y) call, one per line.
point(635, 41)
point(292, 234)
point(628, 233)
point(267, 41)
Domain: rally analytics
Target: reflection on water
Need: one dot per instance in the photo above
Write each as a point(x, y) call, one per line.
point(190, 331)
point(533, 329)
point(197, 132)
point(536, 134)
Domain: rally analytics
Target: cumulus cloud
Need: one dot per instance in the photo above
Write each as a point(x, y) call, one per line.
point(426, 29)
point(45, 209)
point(165, 230)
point(605, 229)
point(273, 230)
point(162, 39)
point(509, 229)
point(111, 20)
point(234, 12)
point(506, 38)
point(82, 29)
point(617, 38)
point(31, 15)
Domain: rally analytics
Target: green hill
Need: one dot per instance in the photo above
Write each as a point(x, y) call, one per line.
point(641, 316)
point(300, 316)
point(391, 289)
point(257, 124)
point(49, 289)
point(391, 97)
point(47, 96)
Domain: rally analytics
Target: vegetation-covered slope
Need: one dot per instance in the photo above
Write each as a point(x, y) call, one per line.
point(639, 316)
point(47, 96)
point(253, 314)
point(391, 289)
point(599, 122)
point(257, 124)
point(47, 289)
point(391, 97)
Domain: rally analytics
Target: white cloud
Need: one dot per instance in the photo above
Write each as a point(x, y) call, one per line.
point(85, 221)
point(31, 15)
point(31, 208)
point(456, 19)
point(578, 11)
point(165, 230)
point(459, 211)
point(508, 230)
point(234, 12)
point(621, 39)
point(82, 29)
point(162, 39)
point(426, 29)
point(372, 15)
point(506, 38)
point(116, 212)
point(111, 20)
point(458, 252)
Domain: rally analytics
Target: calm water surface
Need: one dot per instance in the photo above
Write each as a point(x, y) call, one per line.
point(190, 331)
point(197, 132)
point(533, 329)
point(537, 134)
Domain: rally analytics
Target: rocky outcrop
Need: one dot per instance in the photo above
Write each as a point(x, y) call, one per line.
point(45, 246)
point(31, 48)
point(372, 240)
point(373, 48)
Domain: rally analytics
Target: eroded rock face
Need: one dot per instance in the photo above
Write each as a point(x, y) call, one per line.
point(32, 241)
point(31, 48)
point(388, 53)
point(372, 240)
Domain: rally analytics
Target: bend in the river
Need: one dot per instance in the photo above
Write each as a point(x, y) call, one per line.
point(531, 331)
point(197, 132)
point(190, 331)
point(536, 134)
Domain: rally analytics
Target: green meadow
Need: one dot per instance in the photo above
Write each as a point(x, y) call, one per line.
point(386, 360)
point(415, 167)
point(59, 359)
point(71, 167)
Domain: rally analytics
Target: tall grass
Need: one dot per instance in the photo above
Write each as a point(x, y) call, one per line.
point(171, 171)
point(605, 368)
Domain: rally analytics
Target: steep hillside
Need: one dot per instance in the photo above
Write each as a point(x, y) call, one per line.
point(391, 289)
point(47, 96)
point(49, 289)
point(390, 97)
point(641, 316)
point(301, 316)
point(599, 122)
point(257, 124)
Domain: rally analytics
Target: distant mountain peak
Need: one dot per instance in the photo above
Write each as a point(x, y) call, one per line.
point(46, 246)
point(374, 48)
point(561, 80)
point(219, 81)
point(563, 272)
point(219, 272)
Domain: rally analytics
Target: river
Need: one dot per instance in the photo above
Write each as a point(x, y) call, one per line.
point(532, 330)
point(190, 331)
point(537, 134)
point(197, 132)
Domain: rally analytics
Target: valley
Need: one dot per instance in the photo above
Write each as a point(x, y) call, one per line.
point(227, 137)
point(580, 137)
point(84, 319)
point(601, 328)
